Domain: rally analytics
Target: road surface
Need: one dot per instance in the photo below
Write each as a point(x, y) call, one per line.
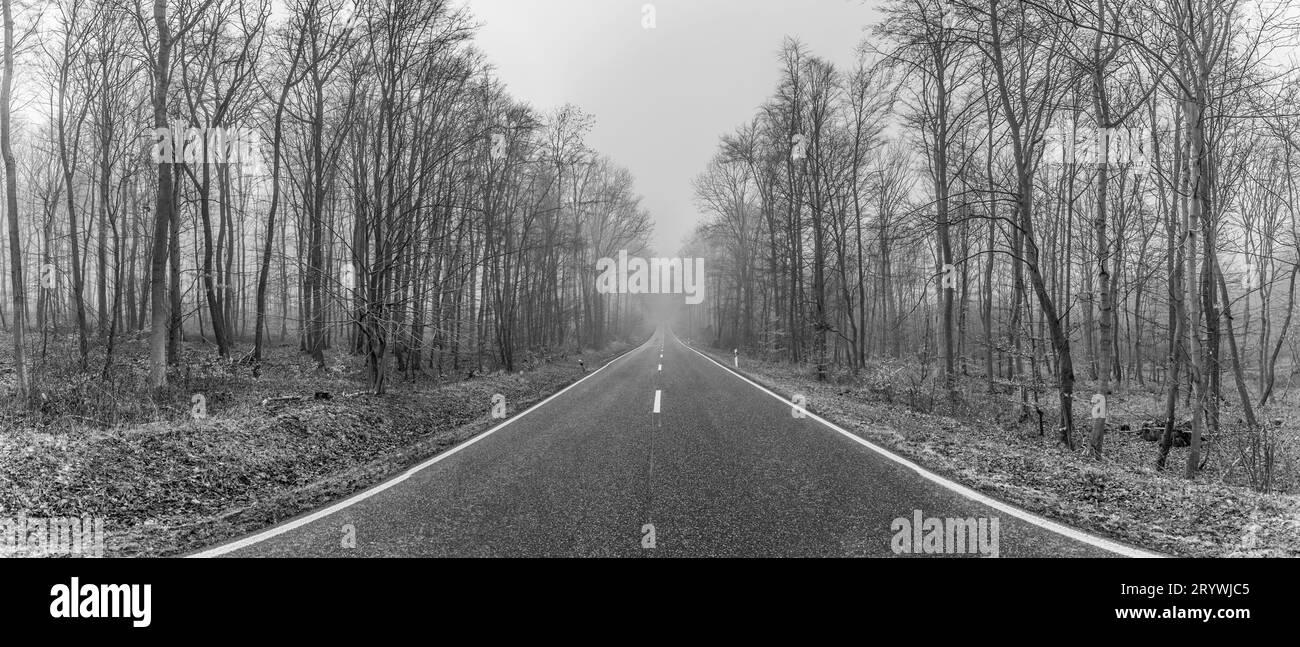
point(665, 437)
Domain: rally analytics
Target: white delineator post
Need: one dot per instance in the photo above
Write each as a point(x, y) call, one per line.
point(736, 359)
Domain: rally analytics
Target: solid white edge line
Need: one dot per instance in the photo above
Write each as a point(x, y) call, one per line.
point(366, 494)
point(656, 401)
point(1023, 515)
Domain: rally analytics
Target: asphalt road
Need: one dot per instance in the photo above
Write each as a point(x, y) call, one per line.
point(722, 469)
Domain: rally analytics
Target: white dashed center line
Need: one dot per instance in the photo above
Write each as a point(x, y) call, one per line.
point(656, 401)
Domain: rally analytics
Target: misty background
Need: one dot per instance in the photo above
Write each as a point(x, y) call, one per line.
point(661, 97)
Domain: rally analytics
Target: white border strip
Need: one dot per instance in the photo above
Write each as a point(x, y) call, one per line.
point(366, 494)
point(1023, 515)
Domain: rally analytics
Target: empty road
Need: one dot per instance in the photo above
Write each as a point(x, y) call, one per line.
point(660, 453)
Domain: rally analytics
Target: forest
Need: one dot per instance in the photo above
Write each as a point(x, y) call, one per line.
point(325, 173)
point(260, 255)
point(274, 250)
point(1031, 207)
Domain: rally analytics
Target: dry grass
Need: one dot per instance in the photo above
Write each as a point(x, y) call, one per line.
point(984, 445)
point(168, 483)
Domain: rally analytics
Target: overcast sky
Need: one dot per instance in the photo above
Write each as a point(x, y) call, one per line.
point(661, 96)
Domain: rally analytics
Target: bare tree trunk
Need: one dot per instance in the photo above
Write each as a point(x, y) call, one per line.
point(161, 314)
point(1195, 218)
point(1102, 115)
point(265, 271)
point(11, 206)
point(73, 233)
